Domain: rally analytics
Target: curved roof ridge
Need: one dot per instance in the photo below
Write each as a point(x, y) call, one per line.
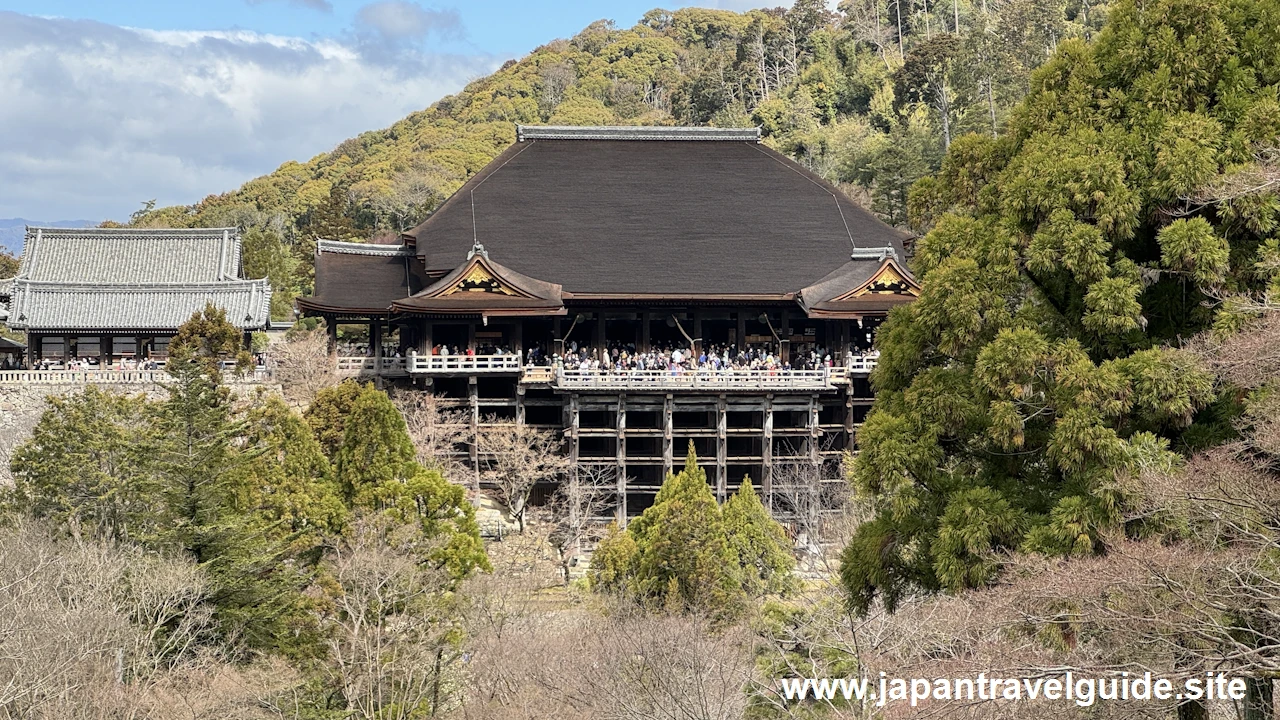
point(635, 132)
point(361, 248)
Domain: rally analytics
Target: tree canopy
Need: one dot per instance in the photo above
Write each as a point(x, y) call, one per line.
point(1064, 263)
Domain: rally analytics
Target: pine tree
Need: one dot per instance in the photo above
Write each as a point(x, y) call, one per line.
point(287, 481)
point(765, 563)
point(193, 465)
point(378, 473)
point(681, 543)
point(83, 465)
point(613, 564)
point(376, 453)
point(327, 415)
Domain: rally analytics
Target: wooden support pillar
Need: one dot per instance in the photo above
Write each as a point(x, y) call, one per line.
point(742, 330)
point(106, 349)
point(375, 342)
point(471, 337)
point(646, 327)
point(722, 449)
point(557, 338)
point(572, 431)
point(427, 341)
point(621, 509)
point(473, 396)
point(517, 339)
point(668, 454)
point(848, 417)
point(331, 327)
point(766, 482)
point(815, 430)
point(519, 404)
point(784, 345)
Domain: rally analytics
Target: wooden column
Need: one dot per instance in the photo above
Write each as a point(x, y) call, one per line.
point(572, 430)
point(331, 327)
point(375, 341)
point(766, 482)
point(646, 320)
point(742, 330)
point(106, 348)
point(815, 431)
point(473, 396)
point(519, 403)
point(471, 336)
point(722, 449)
point(557, 338)
point(848, 417)
point(668, 457)
point(517, 339)
point(621, 509)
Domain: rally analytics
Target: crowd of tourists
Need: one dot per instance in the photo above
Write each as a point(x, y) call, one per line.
point(681, 359)
point(625, 357)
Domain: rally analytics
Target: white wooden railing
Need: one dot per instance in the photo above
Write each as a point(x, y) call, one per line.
point(359, 365)
point(860, 364)
point(694, 380)
point(427, 364)
point(538, 374)
point(108, 377)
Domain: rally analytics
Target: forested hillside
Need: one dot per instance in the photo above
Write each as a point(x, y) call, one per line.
point(869, 97)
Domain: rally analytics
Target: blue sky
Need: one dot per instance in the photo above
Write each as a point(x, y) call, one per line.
point(104, 104)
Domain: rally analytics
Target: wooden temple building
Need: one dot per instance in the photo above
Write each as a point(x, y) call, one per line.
point(101, 296)
point(515, 300)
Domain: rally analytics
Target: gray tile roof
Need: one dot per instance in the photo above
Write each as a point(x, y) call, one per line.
point(58, 306)
point(117, 279)
point(129, 256)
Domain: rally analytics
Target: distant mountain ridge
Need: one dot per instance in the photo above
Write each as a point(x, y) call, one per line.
point(12, 230)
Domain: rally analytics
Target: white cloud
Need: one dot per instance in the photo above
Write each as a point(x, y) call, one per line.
point(321, 5)
point(97, 118)
point(399, 19)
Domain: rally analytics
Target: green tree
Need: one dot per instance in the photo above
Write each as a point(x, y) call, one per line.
point(83, 466)
point(1065, 260)
point(683, 559)
point(376, 455)
point(377, 471)
point(760, 544)
point(286, 479)
point(195, 465)
point(265, 255)
point(207, 339)
point(327, 415)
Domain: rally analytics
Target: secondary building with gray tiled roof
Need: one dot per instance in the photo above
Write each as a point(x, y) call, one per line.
point(104, 294)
